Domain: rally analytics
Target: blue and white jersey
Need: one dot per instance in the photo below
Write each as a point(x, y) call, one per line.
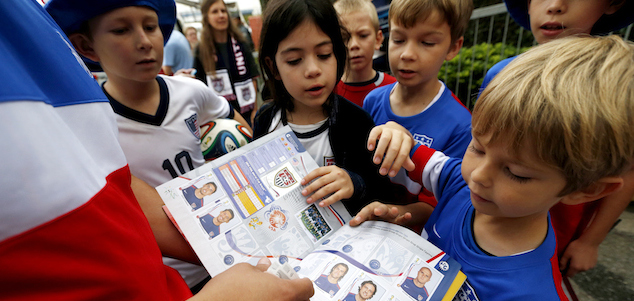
point(445, 125)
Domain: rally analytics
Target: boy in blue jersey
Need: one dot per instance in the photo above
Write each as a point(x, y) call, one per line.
point(555, 126)
point(423, 35)
point(579, 229)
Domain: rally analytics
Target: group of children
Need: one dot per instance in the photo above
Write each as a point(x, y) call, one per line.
point(555, 126)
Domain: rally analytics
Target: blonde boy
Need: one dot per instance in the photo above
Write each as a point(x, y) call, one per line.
point(580, 229)
point(423, 34)
point(157, 115)
point(555, 126)
point(359, 17)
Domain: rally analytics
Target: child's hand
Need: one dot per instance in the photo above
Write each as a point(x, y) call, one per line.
point(380, 211)
point(393, 147)
point(578, 257)
point(330, 180)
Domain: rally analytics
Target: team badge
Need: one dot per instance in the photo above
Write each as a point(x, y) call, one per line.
point(329, 161)
point(218, 84)
point(276, 216)
point(246, 94)
point(423, 139)
point(284, 178)
point(192, 125)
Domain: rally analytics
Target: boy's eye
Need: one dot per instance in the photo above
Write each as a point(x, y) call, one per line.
point(397, 41)
point(324, 56)
point(515, 177)
point(428, 43)
point(119, 30)
point(475, 150)
point(151, 27)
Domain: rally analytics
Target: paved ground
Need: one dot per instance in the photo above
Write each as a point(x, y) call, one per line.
point(613, 278)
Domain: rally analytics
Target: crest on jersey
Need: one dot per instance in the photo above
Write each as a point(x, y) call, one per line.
point(284, 178)
point(246, 94)
point(192, 125)
point(423, 139)
point(466, 293)
point(218, 84)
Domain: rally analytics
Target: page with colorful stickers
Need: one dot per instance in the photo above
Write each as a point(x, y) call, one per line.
point(247, 205)
point(383, 262)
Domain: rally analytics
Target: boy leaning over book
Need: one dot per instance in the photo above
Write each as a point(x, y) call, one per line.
point(423, 35)
point(555, 126)
point(359, 17)
point(580, 229)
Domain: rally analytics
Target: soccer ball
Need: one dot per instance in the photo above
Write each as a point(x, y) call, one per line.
point(222, 136)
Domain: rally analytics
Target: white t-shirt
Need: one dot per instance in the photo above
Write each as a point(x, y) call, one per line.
point(161, 147)
point(314, 137)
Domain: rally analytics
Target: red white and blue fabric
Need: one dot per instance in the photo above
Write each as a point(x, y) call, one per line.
point(71, 228)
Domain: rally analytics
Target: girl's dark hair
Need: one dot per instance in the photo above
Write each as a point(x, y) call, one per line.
point(280, 18)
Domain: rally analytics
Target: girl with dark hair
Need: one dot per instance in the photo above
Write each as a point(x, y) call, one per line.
point(303, 54)
point(224, 61)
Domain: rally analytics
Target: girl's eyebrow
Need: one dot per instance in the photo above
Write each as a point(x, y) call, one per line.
point(292, 49)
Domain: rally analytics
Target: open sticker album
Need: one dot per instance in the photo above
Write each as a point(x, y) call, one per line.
point(247, 205)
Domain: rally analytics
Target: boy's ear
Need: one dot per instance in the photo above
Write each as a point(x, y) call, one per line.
point(454, 49)
point(83, 45)
point(271, 66)
point(615, 5)
point(597, 190)
point(379, 40)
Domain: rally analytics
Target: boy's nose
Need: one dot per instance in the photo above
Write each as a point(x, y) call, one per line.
point(557, 6)
point(409, 51)
point(481, 175)
point(144, 41)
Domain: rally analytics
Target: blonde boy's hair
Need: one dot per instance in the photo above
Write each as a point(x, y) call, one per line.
point(455, 12)
point(572, 101)
point(345, 7)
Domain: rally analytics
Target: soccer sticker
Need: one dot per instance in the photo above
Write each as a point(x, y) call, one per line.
point(276, 216)
point(282, 180)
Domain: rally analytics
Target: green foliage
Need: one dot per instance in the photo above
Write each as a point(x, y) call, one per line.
point(473, 60)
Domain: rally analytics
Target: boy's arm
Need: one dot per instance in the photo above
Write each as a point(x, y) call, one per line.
point(581, 254)
point(409, 215)
point(169, 239)
point(239, 118)
point(392, 144)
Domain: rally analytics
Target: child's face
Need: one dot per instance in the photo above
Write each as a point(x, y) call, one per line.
point(554, 19)
point(128, 43)
point(218, 17)
point(307, 66)
point(417, 53)
point(364, 39)
point(507, 186)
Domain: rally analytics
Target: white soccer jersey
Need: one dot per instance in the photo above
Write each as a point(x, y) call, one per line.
point(314, 137)
point(161, 147)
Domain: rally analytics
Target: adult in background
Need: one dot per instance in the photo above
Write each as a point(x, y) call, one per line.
point(191, 33)
point(177, 53)
point(224, 61)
